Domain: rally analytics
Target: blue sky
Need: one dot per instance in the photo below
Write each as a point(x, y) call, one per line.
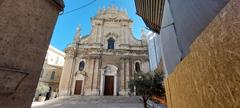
point(66, 24)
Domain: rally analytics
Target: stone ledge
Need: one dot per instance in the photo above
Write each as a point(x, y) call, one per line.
point(93, 92)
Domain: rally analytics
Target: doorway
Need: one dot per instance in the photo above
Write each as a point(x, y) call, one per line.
point(78, 87)
point(109, 86)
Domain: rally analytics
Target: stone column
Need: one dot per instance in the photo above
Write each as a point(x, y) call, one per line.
point(102, 33)
point(97, 36)
point(64, 85)
point(125, 34)
point(127, 75)
point(100, 36)
point(115, 85)
point(102, 83)
point(88, 86)
point(95, 90)
point(122, 35)
point(122, 78)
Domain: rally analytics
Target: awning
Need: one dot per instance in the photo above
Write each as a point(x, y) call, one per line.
point(151, 12)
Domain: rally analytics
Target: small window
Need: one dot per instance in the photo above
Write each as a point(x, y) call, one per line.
point(137, 67)
point(111, 42)
point(81, 65)
point(53, 75)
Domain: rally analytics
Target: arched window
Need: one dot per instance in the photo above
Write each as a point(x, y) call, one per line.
point(137, 67)
point(52, 75)
point(111, 42)
point(81, 65)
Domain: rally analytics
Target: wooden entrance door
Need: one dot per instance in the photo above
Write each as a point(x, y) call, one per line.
point(109, 85)
point(78, 87)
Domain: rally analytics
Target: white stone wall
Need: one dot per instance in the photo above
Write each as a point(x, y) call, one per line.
point(154, 49)
point(52, 68)
point(54, 56)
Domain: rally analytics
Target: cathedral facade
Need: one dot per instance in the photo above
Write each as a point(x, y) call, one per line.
point(103, 62)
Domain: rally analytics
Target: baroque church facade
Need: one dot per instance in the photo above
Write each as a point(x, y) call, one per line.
point(103, 62)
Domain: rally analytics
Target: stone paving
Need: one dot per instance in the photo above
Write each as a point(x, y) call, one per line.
point(92, 102)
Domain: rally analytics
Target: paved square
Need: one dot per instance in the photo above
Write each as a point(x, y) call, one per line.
point(92, 102)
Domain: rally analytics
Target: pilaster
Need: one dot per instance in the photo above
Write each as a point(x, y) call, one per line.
point(92, 80)
point(125, 34)
point(127, 75)
point(99, 37)
point(122, 35)
point(64, 86)
point(122, 77)
point(95, 90)
point(66, 77)
point(87, 89)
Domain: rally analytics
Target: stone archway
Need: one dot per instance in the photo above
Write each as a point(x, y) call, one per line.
point(108, 72)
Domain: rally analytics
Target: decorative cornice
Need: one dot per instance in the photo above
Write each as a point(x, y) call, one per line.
point(112, 34)
point(125, 58)
point(95, 56)
point(69, 50)
point(84, 73)
point(120, 52)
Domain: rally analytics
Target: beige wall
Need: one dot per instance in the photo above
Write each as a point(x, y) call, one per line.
point(66, 76)
point(209, 76)
point(26, 31)
point(54, 61)
point(47, 74)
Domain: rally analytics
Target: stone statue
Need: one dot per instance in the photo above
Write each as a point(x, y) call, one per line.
point(77, 36)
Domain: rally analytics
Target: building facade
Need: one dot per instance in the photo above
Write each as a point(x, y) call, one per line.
point(52, 68)
point(154, 51)
point(103, 62)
